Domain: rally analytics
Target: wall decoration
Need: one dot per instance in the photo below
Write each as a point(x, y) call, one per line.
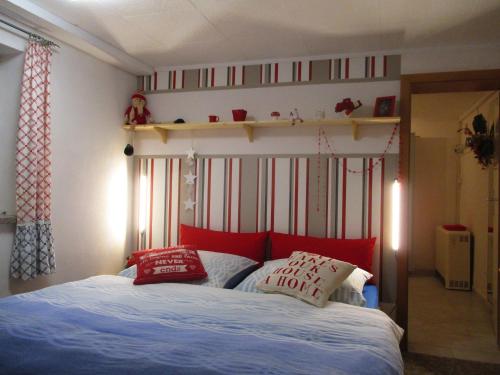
point(481, 141)
point(347, 106)
point(252, 193)
point(190, 177)
point(190, 155)
point(294, 116)
point(384, 106)
point(239, 114)
point(128, 150)
point(137, 113)
point(341, 69)
point(190, 180)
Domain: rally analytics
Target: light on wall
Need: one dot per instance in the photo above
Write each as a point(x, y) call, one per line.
point(143, 189)
point(396, 214)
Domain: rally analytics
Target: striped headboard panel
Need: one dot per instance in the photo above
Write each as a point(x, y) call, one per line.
point(252, 193)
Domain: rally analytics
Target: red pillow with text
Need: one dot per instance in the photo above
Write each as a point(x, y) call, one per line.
point(248, 245)
point(161, 265)
point(356, 251)
point(132, 259)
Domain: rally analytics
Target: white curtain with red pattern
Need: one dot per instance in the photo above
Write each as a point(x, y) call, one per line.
point(33, 252)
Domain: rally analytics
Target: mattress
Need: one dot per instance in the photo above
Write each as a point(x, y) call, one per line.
point(106, 325)
point(370, 292)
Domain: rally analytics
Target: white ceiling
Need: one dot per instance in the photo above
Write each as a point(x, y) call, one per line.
point(186, 32)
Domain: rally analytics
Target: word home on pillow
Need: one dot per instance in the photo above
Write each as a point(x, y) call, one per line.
point(307, 276)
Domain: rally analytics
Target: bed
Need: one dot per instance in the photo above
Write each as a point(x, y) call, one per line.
point(106, 325)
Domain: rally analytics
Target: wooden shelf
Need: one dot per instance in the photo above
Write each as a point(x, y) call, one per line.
point(163, 129)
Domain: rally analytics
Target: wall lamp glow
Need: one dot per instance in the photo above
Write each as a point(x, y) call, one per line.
point(143, 189)
point(396, 214)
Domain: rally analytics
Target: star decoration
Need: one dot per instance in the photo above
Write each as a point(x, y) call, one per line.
point(189, 204)
point(190, 177)
point(191, 154)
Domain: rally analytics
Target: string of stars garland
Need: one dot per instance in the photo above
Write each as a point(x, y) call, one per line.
point(190, 179)
point(331, 151)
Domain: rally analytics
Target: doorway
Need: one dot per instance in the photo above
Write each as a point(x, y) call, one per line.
point(450, 266)
point(468, 81)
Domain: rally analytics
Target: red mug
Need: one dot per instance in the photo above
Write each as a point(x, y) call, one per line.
point(239, 114)
point(213, 118)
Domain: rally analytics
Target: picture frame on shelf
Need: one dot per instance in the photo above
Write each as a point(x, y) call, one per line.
point(384, 106)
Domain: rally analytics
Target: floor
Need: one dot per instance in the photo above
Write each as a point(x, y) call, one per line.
point(446, 323)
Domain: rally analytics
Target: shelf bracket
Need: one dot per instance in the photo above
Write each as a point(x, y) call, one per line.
point(163, 133)
point(249, 131)
point(355, 126)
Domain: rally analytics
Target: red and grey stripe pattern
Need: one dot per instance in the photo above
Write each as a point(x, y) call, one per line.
point(251, 193)
point(344, 68)
point(218, 194)
point(301, 71)
point(283, 195)
point(368, 67)
point(162, 206)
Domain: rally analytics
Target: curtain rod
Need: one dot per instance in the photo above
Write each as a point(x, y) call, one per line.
point(30, 34)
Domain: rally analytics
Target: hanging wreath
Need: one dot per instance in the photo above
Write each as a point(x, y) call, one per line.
point(481, 140)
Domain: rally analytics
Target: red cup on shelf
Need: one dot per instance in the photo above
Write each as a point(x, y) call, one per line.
point(239, 114)
point(213, 118)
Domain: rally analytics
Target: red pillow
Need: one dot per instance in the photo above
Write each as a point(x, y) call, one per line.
point(132, 259)
point(358, 251)
point(249, 245)
point(160, 265)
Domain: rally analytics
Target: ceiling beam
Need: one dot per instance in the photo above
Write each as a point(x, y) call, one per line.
point(56, 27)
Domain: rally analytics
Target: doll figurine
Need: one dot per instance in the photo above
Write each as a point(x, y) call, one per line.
point(137, 113)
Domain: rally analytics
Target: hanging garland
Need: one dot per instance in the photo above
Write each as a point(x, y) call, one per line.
point(322, 135)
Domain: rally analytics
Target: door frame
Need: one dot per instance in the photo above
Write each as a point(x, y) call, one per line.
point(428, 83)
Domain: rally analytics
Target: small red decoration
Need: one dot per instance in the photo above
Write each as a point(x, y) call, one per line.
point(347, 106)
point(137, 113)
point(239, 114)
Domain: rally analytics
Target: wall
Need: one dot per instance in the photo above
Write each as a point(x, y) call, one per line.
point(473, 209)
point(429, 203)
point(260, 102)
point(435, 169)
point(450, 58)
point(11, 66)
point(89, 170)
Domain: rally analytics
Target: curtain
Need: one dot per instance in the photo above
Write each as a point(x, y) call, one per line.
point(33, 252)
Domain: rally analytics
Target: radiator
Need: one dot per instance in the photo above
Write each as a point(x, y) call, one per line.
point(453, 258)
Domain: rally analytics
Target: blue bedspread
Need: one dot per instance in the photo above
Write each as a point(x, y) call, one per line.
point(105, 325)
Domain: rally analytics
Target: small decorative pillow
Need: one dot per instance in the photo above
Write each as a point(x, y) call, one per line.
point(351, 290)
point(224, 270)
point(132, 259)
point(250, 283)
point(161, 265)
point(307, 276)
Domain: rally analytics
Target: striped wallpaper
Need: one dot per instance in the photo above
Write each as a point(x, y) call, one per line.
point(252, 193)
point(231, 75)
